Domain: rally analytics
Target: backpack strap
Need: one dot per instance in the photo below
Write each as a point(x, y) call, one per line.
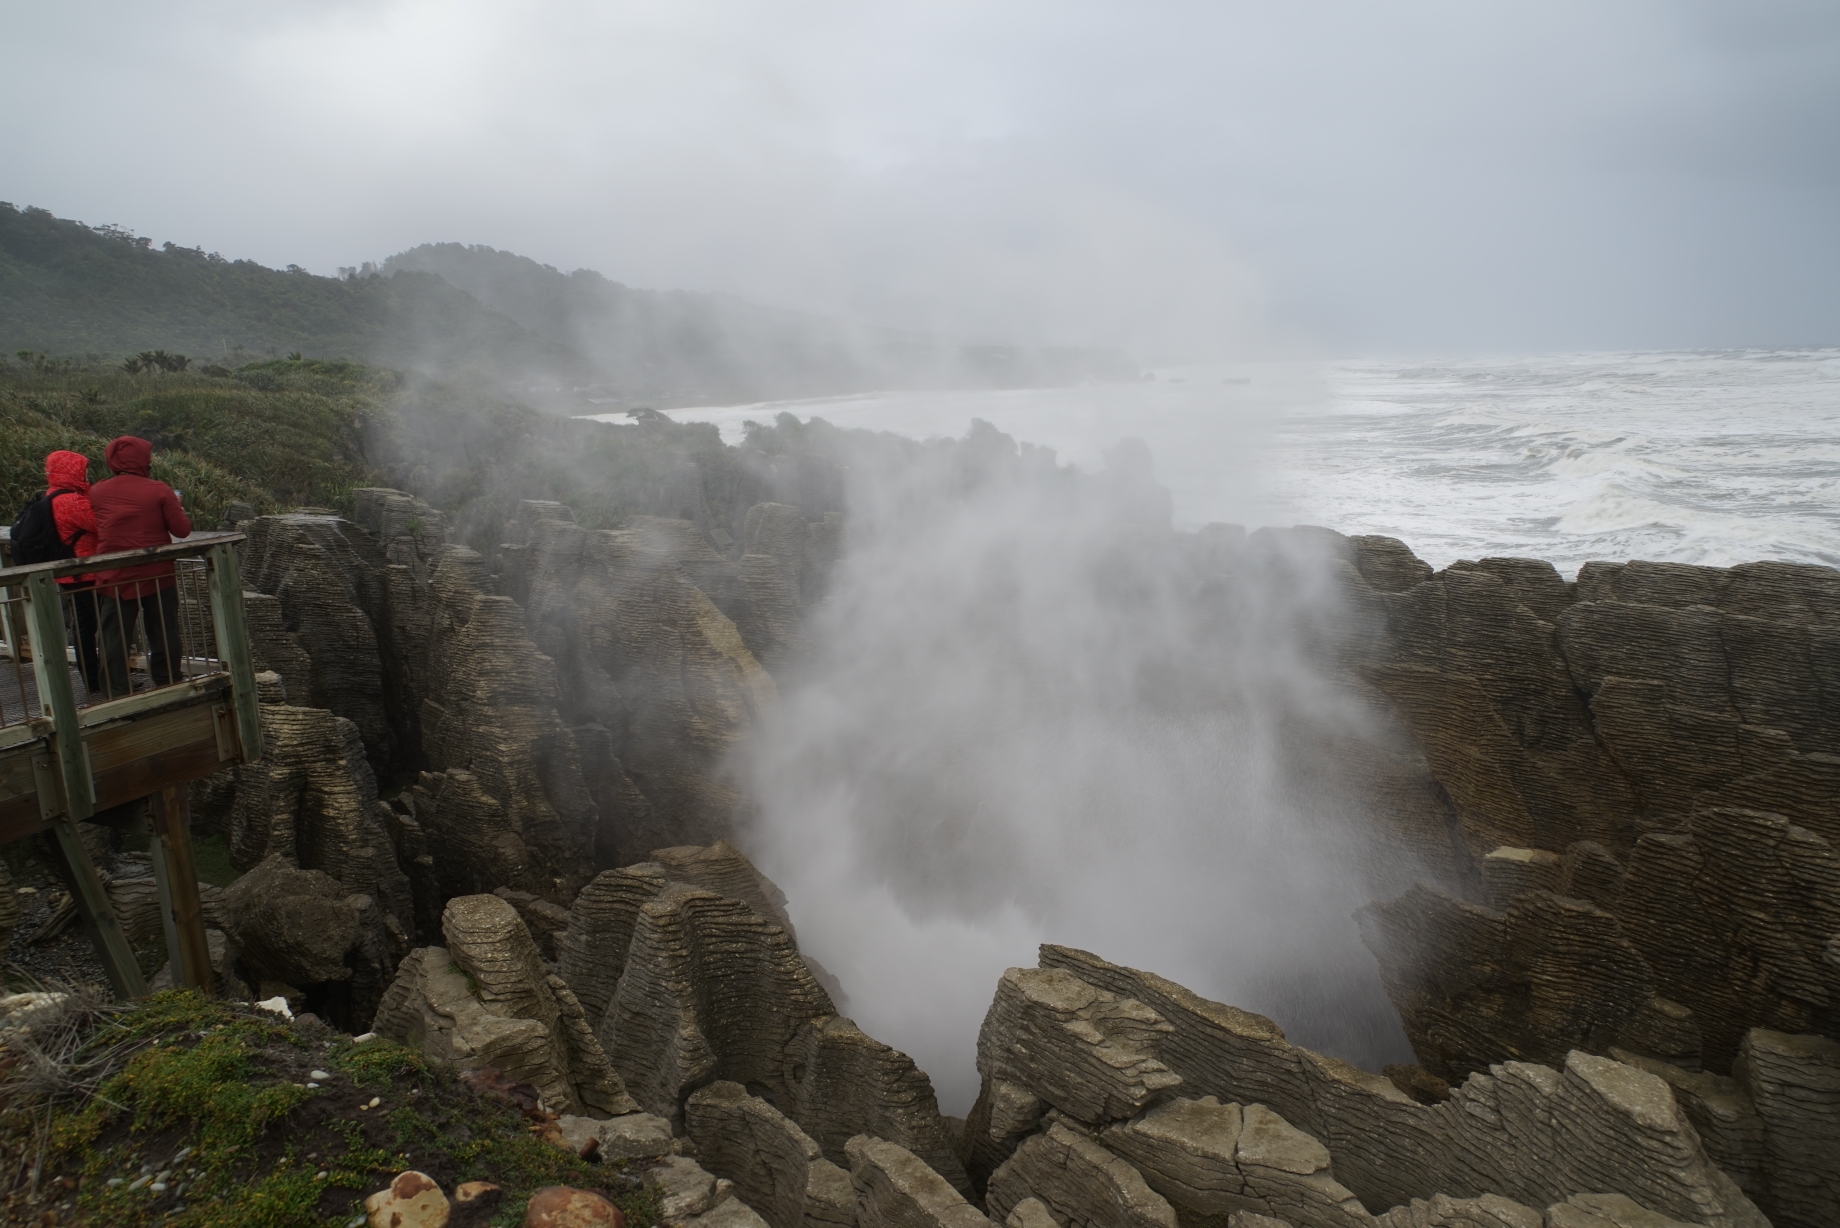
point(51, 499)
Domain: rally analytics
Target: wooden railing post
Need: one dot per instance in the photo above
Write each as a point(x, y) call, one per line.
point(226, 584)
point(69, 789)
point(176, 877)
point(56, 699)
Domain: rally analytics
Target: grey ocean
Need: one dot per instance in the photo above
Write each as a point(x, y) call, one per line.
point(1715, 458)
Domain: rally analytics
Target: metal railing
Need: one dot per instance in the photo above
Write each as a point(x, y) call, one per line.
point(116, 634)
point(126, 676)
point(122, 626)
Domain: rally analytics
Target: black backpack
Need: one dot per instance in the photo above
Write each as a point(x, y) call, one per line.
point(35, 535)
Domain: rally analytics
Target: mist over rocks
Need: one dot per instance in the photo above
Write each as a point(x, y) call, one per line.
point(1414, 814)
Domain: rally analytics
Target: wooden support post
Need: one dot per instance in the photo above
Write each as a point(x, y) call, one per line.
point(66, 792)
point(226, 585)
point(52, 672)
point(176, 875)
point(99, 920)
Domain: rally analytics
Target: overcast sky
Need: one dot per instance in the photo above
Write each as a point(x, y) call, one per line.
point(1418, 176)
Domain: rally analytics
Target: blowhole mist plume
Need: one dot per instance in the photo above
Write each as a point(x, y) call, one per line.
point(1028, 711)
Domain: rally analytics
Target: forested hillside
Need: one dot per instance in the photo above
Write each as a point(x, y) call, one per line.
point(470, 315)
point(67, 289)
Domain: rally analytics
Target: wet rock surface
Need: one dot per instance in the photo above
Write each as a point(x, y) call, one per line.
point(1610, 919)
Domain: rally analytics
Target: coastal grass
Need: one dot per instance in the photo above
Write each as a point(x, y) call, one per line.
point(208, 1099)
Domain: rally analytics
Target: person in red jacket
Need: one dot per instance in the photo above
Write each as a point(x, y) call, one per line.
point(67, 486)
point(134, 511)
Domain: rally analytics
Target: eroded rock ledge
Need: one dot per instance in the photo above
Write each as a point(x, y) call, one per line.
point(1618, 799)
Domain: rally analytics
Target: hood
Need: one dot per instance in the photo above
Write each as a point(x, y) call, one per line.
point(67, 471)
point(127, 454)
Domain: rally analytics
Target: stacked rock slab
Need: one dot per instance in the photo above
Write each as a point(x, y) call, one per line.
point(382, 623)
point(1081, 1183)
point(646, 655)
point(689, 1196)
point(896, 1189)
point(330, 582)
point(710, 991)
point(1648, 955)
point(304, 933)
point(1794, 1081)
point(507, 803)
point(487, 999)
point(1052, 1040)
point(1656, 740)
point(1209, 1158)
point(1529, 1133)
point(687, 986)
point(312, 801)
point(776, 1168)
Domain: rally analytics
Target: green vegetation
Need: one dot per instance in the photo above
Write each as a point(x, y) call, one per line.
point(305, 432)
point(216, 439)
point(103, 293)
point(209, 1100)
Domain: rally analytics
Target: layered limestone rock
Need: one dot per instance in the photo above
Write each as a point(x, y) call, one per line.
point(1794, 1081)
point(385, 625)
point(330, 582)
point(1089, 1053)
point(645, 654)
point(1530, 1133)
point(591, 951)
point(487, 999)
point(1656, 740)
point(688, 1196)
point(506, 803)
point(1080, 1183)
point(1548, 975)
point(844, 1082)
point(1648, 957)
point(896, 1189)
point(1212, 1159)
point(301, 929)
point(776, 1168)
point(1052, 1040)
point(312, 801)
point(710, 991)
point(686, 986)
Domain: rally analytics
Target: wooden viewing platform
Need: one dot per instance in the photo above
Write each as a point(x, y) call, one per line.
point(67, 757)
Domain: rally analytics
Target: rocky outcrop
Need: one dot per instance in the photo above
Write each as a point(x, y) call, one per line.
point(1211, 1159)
point(1080, 1183)
point(330, 582)
point(1655, 740)
point(312, 801)
point(1708, 931)
point(686, 986)
point(776, 1168)
point(1089, 1053)
point(1547, 975)
point(486, 999)
point(1794, 1081)
point(507, 803)
point(896, 1189)
point(383, 624)
point(302, 931)
point(710, 991)
point(1530, 1133)
point(648, 656)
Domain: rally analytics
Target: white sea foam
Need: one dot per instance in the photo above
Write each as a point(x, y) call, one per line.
point(1714, 458)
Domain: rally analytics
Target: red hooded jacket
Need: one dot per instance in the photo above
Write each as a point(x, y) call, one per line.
point(134, 511)
point(70, 511)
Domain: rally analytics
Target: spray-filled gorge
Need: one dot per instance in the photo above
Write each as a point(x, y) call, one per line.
point(1547, 850)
